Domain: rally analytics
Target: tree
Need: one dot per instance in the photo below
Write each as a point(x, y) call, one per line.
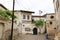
point(6, 14)
point(39, 23)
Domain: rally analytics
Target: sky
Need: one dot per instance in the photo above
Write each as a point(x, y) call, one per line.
point(46, 6)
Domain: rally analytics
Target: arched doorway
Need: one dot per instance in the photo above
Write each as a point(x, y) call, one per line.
point(34, 31)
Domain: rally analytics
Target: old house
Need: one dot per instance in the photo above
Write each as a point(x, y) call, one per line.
point(24, 21)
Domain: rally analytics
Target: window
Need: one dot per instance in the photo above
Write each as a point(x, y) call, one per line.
point(57, 4)
point(24, 17)
point(28, 17)
point(52, 17)
point(27, 29)
point(32, 20)
point(50, 22)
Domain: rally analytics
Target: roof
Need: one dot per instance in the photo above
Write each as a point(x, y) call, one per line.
point(3, 6)
point(43, 15)
point(24, 11)
point(38, 15)
point(50, 14)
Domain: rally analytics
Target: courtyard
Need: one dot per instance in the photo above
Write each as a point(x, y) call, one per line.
point(32, 37)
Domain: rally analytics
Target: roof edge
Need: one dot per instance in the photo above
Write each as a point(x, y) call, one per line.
point(3, 6)
point(23, 11)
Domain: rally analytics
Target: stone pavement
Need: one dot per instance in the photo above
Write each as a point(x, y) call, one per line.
point(32, 37)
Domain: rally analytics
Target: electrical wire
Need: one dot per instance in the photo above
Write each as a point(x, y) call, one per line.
point(19, 4)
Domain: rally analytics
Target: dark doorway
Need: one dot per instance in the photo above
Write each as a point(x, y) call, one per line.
point(35, 31)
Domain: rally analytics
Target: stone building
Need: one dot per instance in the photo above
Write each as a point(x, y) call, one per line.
point(38, 17)
point(5, 25)
point(57, 11)
point(24, 21)
point(50, 22)
point(2, 22)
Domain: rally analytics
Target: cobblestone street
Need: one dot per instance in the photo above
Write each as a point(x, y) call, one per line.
point(32, 37)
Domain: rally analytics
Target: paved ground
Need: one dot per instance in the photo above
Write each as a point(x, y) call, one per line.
point(32, 37)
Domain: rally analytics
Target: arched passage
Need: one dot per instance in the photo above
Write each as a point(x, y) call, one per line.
point(34, 31)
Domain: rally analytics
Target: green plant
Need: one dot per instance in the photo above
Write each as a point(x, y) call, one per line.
point(39, 23)
point(6, 14)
